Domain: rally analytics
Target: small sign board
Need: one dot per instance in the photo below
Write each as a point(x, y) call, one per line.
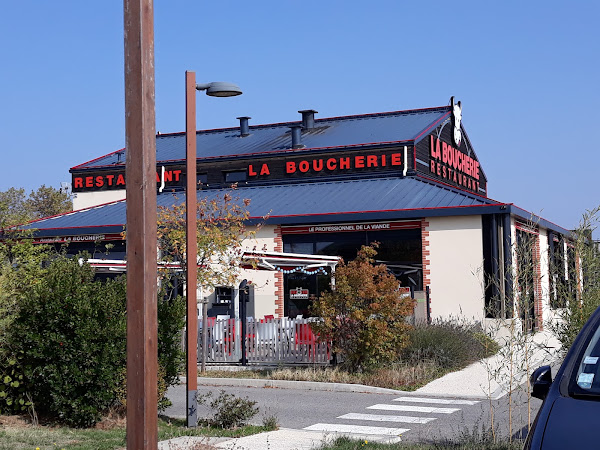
point(299, 294)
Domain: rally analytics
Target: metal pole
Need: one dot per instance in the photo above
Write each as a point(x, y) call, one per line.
point(140, 142)
point(191, 250)
point(428, 304)
point(243, 294)
point(204, 334)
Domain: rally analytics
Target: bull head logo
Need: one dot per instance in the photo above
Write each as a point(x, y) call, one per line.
point(456, 119)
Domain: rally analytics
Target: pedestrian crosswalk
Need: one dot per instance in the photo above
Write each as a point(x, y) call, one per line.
point(417, 411)
point(411, 408)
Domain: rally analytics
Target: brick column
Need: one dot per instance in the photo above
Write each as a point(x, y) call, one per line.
point(425, 257)
point(539, 318)
point(278, 275)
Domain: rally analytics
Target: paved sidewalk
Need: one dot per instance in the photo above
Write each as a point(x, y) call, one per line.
point(473, 381)
point(282, 439)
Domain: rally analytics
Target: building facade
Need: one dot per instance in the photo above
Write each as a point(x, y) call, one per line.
point(409, 180)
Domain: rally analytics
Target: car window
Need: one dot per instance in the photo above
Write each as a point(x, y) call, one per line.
point(587, 377)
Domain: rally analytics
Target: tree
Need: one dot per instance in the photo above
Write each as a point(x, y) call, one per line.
point(364, 315)
point(12, 208)
point(16, 208)
point(581, 292)
point(47, 201)
point(221, 231)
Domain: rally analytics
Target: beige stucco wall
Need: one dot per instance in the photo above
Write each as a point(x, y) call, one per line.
point(456, 267)
point(88, 199)
point(263, 280)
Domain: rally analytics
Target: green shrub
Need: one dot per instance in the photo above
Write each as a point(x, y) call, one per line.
point(230, 411)
point(71, 332)
point(171, 320)
point(448, 344)
point(67, 341)
point(13, 389)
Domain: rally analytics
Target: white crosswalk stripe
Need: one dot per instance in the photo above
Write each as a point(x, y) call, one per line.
point(386, 418)
point(356, 429)
point(418, 406)
point(441, 401)
point(421, 409)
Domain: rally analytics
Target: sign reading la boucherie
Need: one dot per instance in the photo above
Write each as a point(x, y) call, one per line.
point(327, 164)
point(446, 155)
point(452, 165)
point(271, 168)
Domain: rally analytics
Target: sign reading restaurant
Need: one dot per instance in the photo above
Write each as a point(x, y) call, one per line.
point(451, 164)
point(323, 165)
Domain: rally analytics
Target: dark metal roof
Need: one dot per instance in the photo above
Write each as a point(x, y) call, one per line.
point(370, 129)
point(367, 199)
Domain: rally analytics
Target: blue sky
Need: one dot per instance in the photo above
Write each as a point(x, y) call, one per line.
point(527, 74)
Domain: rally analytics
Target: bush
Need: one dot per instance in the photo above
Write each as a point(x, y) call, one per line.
point(13, 390)
point(67, 341)
point(71, 333)
point(230, 411)
point(171, 320)
point(450, 345)
point(364, 315)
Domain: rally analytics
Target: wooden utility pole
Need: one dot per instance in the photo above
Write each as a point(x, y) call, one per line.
point(140, 143)
point(191, 250)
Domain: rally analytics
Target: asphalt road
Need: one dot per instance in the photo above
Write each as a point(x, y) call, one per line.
point(393, 413)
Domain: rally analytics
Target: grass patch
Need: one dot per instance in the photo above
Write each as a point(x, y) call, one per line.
point(345, 443)
point(16, 434)
point(433, 351)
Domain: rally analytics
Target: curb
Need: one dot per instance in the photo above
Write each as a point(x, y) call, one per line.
point(289, 384)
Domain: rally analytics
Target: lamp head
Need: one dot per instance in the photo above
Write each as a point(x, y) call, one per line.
point(220, 89)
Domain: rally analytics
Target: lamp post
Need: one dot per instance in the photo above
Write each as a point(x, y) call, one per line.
point(214, 89)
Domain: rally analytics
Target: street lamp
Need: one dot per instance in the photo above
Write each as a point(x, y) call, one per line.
point(220, 89)
point(214, 89)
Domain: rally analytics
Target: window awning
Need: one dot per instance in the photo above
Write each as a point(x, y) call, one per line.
point(289, 262)
point(276, 261)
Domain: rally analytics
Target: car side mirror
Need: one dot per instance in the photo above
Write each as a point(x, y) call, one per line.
point(540, 380)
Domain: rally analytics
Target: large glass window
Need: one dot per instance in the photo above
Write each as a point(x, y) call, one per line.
point(299, 292)
point(400, 250)
point(527, 278)
point(556, 257)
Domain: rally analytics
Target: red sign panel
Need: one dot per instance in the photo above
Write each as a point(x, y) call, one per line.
point(79, 238)
point(349, 227)
point(453, 165)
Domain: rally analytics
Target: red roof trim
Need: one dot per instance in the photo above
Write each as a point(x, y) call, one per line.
point(432, 126)
point(87, 208)
point(96, 159)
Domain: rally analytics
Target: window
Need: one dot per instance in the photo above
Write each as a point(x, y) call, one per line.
point(235, 176)
point(556, 257)
point(399, 250)
point(201, 178)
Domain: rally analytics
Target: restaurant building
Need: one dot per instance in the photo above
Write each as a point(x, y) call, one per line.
point(409, 180)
